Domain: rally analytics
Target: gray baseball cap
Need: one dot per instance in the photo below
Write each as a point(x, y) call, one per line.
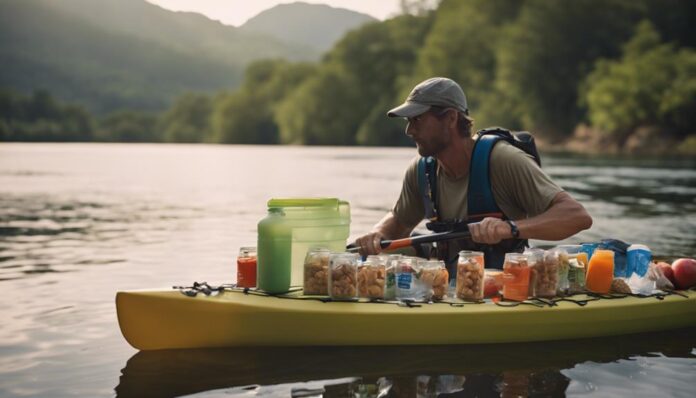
point(436, 91)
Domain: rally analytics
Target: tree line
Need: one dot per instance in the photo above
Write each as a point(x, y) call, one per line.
point(539, 65)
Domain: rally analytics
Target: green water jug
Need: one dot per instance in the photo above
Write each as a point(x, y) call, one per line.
point(273, 253)
point(309, 222)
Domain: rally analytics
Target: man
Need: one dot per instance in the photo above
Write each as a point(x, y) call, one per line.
point(533, 206)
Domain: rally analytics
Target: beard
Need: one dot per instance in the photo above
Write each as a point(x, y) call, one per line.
point(435, 145)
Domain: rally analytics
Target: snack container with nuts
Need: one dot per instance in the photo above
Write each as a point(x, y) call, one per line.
point(470, 273)
point(371, 278)
point(435, 277)
point(343, 276)
point(546, 275)
point(316, 271)
point(516, 272)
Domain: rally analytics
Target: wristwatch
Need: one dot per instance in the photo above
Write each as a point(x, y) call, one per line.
point(513, 229)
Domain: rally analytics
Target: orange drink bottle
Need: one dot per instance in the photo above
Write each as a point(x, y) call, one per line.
point(246, 267)
point(516, 276)
point(600, 271)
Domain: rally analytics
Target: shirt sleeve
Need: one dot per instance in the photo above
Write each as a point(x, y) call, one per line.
point(409, 209)
point(519, 182)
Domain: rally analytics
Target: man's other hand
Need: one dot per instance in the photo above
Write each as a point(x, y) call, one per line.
point(490, 231)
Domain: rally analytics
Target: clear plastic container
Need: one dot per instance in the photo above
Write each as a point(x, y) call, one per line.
point(546, 275)
point(638, 259)
point(372, 278)
point(535, 256)
point(407, 284)
point(470, 273)
point(312, 222)
point(316, 272)
point(576, 273)
point(516, 272)
point(343, 280)
point(435, 277)
point(566, 252)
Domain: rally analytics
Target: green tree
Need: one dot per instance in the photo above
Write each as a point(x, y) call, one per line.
point(247, 116)
point(188, 120)
point(129, 126)
point(652, 84)
point(549, 49)
point(462, 45)
point(345, 102)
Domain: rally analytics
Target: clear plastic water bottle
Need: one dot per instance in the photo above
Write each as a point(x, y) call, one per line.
point(638, 259)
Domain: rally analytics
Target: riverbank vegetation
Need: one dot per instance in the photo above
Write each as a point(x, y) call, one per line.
point(587, 75)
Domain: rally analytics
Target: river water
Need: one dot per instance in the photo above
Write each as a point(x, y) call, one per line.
point(79, 222)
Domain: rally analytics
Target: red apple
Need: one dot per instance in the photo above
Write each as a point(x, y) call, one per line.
point(667, 271)
point(684, 272)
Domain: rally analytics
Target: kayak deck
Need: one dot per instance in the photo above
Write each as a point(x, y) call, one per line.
point(167, 319)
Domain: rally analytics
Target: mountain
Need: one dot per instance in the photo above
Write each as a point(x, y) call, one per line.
point(314, 25)
point(112, 54)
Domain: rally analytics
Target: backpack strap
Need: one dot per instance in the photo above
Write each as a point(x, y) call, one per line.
point(481, 202)
point(427, 185)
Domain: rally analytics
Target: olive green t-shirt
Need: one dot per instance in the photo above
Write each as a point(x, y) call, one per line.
point(520, 188)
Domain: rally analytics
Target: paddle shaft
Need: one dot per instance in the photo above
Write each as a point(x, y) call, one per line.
point(416, 240)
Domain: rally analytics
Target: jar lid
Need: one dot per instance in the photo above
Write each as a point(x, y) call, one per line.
point(303, 202)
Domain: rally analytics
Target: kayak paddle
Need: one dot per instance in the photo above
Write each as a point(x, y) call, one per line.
point(416, 240)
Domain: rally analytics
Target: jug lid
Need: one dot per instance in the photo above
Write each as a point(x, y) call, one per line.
point(303, 202)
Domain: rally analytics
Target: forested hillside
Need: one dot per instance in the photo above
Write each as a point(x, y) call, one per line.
point(114, 54)
point(612, 75)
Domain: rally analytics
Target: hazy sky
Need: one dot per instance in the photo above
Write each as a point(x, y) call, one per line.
point(236, 12)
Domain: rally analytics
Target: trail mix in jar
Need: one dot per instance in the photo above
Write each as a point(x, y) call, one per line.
point(371, 278)
point(435, 276)
point(545, 275)
point(316, 272)
point(470, 276)
point(343, 281)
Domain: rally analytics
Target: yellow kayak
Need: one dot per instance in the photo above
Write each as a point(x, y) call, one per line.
point(167, 319)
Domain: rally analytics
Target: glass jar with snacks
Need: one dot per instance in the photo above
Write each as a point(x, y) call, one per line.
point(470, 275)
point(535, 256)
point(316, 271)
point(492, 282)
point(435, 277)
point(516, 272)
point(246, 267)
point(390, 285)
point(371, 278)
point(343, 276)
point(545, 275)
point(407, 284)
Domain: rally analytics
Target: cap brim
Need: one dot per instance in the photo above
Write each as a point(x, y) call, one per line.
point(408, 109)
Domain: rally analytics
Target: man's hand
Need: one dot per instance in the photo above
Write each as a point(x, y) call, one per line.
point(490, 230)
point(370, 243)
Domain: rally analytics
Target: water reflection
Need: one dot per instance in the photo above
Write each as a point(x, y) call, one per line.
point(531, 369)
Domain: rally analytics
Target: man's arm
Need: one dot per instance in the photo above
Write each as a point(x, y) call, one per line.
point(387, 228)
point(564, 218)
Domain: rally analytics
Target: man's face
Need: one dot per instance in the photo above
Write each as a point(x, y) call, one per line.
point(428, 132)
